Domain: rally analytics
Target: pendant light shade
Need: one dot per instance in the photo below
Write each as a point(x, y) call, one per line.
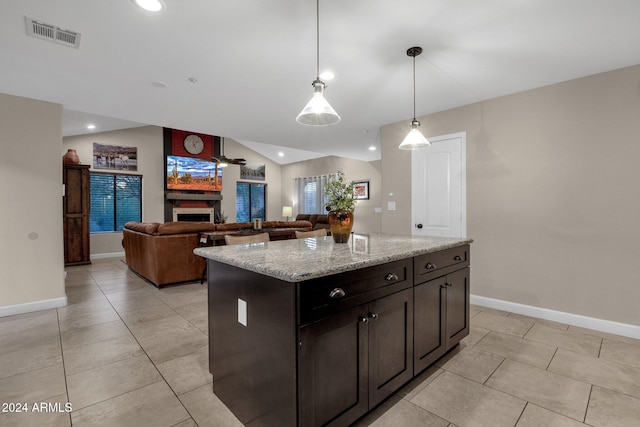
point(414, 139)
point(318, 111)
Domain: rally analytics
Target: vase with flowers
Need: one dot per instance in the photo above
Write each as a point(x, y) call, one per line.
point(340, 205)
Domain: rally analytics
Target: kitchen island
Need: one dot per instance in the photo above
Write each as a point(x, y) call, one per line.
point(309, 333)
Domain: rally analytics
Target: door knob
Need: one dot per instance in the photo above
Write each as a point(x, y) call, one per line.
point(418, 225)
point(373, 315)
point(362, 319)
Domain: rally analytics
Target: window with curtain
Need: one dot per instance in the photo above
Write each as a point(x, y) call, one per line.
point(309, 193)
point(250, 201)
point(115, 200)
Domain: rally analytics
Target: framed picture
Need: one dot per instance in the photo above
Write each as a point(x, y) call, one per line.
point(252, 170)
point(361, 189)
point(360, 243)
point(115, 157)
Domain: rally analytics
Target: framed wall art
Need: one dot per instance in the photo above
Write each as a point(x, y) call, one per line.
point(361, 190)
point(115, 157)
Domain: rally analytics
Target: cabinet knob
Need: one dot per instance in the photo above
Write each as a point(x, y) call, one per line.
point(430, 266)
point(373, 315)
point(337, 293)
point(391, 276)
point(457, 258)
point(362, 319)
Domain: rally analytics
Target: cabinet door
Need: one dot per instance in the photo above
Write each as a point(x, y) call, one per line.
point(333, 370)
point(76, 215)
point(390, 344)
point(429, 326)
point(457, 311)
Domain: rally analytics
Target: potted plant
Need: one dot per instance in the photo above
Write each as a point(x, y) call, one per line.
point(340, 204)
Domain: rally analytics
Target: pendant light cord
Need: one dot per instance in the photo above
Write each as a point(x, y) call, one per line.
point(414, 88)
point(318, 39)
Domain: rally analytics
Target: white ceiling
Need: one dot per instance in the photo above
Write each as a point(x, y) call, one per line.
point(254, 61)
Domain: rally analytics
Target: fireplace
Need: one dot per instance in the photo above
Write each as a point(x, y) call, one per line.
point(193, 214)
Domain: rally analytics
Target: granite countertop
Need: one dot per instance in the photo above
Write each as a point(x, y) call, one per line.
point(297, 260)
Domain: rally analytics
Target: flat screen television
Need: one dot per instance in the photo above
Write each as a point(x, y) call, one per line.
point(191, 174)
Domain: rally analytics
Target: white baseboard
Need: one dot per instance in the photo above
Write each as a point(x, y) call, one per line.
point(602, 325)
point(108, 255)
point(29, 307)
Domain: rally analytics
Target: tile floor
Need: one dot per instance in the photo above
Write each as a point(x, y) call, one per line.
point(124, 353)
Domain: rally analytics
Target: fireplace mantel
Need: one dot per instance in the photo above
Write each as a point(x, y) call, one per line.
point(175, 198)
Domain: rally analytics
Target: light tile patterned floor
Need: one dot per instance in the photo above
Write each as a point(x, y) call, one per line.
point(124, 353)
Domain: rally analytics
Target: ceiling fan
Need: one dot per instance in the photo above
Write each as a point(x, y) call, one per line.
point(224, 160)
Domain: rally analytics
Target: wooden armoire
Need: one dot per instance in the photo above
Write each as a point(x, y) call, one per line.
point(75, 205)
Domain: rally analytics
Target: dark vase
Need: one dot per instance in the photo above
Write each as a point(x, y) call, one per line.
point(71, 157)
point(341, 224)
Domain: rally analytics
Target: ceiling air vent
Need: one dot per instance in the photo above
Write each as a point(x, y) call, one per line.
point(52, 33)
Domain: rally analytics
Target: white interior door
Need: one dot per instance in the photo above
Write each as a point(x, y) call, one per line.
point(438, 187)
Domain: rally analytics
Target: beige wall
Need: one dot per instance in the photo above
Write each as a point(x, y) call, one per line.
point(148, 139)
point(366, 221)
point(31, 249)
point(552, 193)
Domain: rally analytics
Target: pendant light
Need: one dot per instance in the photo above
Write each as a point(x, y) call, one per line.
point(414, 138)
point(318, 112)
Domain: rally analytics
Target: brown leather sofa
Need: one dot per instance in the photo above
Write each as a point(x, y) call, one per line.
point(163, 253)
point(317, 221)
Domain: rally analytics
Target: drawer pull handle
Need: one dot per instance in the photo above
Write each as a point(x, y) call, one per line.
point(337, 293)
point(373, 315)
point(430, 266)
point(457, 258)
point(362, 319)
point(391, 276)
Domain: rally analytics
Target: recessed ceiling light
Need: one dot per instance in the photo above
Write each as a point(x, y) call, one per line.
point(159, 84)
point(281, 154)
point(150, 5)
point(327, 75)
point(372, 148)
point(91, 126)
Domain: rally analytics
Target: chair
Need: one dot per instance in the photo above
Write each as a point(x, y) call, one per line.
point(240, 240)
point(321, 232)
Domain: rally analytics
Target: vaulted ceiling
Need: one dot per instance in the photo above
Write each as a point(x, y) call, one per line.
point(243, 69)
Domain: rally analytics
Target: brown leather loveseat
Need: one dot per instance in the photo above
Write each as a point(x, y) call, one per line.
point(317, 220)
point(163, 253)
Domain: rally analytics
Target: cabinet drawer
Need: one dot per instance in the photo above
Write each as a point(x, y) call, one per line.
point(325, 296)
point(431, 265)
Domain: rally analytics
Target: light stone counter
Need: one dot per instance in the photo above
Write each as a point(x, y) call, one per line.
point(297, 260)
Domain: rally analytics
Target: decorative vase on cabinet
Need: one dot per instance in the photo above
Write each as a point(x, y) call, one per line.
point(71, 157)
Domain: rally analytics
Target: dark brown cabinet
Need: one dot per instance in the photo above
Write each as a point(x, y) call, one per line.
point(353, 360)
point(76, 202)
point(325, 351)
point(441, 305)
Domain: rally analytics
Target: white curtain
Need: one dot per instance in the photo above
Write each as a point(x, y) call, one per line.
point(309, 194)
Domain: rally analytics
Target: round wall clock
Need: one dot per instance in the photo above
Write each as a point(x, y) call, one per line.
point(193, 144)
